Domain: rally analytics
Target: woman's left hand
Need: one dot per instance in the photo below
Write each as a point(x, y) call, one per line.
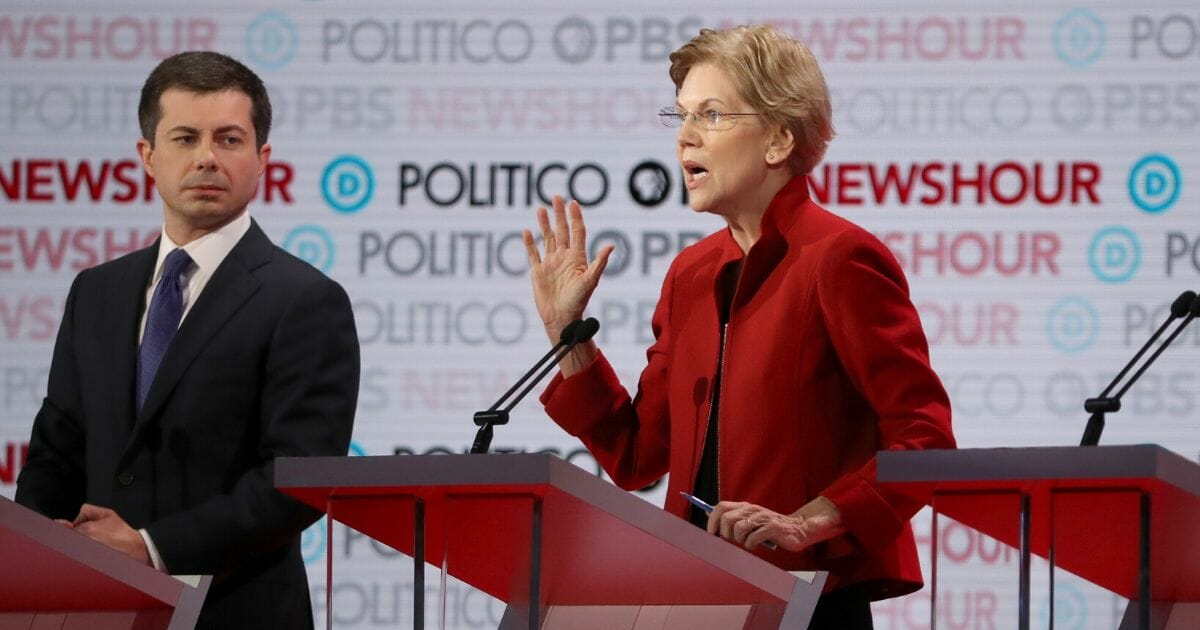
point(751, 525)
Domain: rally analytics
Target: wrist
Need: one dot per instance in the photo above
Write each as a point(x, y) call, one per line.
point(578, 358)
point(554, 328)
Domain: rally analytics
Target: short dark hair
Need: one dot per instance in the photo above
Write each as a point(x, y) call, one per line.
point(203, 72)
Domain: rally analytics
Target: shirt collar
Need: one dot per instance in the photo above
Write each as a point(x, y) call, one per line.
point(208, 251)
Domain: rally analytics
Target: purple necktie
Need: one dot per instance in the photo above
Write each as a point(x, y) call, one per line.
point(166, 307)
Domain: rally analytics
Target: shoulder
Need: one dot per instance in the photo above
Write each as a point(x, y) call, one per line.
point(292, 281)
point(134, 267)
point(289, 266)
point(839, 240)
point(275, 266)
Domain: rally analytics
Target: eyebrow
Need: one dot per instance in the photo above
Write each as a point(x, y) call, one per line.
point(218, 130)
point(707, 101)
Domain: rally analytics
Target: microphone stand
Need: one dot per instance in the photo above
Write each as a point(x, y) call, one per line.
point(572, 335)
point(1186, 304)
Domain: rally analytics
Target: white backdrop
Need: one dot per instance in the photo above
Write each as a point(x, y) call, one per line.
point(1031, 167)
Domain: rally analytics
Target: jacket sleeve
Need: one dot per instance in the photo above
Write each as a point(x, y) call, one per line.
point(630, 438)
point(307, 408)
point(52, 480)
point(878, 337)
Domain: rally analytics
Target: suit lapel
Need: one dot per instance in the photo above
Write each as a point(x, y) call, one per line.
point(125, 309)
point(227, 292)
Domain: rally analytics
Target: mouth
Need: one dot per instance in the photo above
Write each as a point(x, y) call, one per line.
point(694, 173)
point(207, 189)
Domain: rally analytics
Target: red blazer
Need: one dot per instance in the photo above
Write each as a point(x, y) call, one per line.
point(825, 363)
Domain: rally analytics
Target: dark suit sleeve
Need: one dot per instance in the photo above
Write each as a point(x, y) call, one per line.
point(52, 479)
point(307, 409)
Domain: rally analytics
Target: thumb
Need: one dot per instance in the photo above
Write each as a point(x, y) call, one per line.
point(599, 263)
point(89, 512)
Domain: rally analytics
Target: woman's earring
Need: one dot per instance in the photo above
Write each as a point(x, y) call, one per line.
point(770, 157)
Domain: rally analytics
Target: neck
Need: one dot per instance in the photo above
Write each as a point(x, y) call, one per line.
point(746, 234)
point(745, 222)
point(184, 232)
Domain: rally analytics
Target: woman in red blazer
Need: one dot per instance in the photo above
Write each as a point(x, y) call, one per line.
point(787, 351)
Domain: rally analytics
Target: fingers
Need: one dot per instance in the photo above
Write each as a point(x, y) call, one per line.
point(742, 523)
point(562, 229)
point(548, 240)
point(65, 523)
point(567, 231)
point(531, 250)
point(89, 529)
point(578, 229)
point(725, 516)
point(762, 533)
point(89, 512)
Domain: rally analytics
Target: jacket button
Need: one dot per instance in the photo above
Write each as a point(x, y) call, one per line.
point(125, 478)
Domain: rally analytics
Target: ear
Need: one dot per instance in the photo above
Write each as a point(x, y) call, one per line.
point(780, 145)
point(145, 151)
point(264, 156)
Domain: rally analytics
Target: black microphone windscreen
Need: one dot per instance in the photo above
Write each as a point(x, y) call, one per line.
point(1180, 306)
point(1194, 311)
point(569, 332)
point(587, 329)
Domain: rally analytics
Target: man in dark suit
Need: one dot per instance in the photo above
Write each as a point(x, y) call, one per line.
point(183, 370)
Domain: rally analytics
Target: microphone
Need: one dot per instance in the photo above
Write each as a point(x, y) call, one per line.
point(573, 334)
point(1187, 305)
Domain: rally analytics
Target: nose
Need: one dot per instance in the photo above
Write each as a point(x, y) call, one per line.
point(206, 158)
point(688, 132)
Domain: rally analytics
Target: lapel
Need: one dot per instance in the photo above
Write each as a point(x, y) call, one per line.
point(227, 292)
point(125, 312)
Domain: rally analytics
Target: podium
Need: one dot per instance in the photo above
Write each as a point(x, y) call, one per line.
point(58, 578)
point(1122, 517)
point(562, 547)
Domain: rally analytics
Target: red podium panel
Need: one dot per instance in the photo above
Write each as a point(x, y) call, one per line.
point(1122, 517)
point(535, 531)
point(58, 578)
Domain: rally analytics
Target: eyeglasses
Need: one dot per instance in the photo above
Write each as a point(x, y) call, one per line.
point(709, 119)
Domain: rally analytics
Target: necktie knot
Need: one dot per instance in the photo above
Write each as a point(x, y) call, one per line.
point(176, 263)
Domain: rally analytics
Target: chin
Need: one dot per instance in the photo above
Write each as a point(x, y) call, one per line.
point(701, 205)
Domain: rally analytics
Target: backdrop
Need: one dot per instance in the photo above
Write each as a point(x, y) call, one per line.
point(1028, 165)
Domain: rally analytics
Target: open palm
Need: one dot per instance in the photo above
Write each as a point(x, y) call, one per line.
point(563, 279)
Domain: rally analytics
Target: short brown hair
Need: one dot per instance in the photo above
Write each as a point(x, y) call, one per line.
point(777, 75)
point(203, 72)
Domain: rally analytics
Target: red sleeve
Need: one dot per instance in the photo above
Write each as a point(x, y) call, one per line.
point(630, 438)
point(878, 337)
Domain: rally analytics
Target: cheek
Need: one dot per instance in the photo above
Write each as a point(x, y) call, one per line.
point(164, 174)
point(247, 178)
point(170, 166)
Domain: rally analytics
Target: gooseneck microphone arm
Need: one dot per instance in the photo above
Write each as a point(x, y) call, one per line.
point(586, 331)
point(1187, 305)
point(575, 333)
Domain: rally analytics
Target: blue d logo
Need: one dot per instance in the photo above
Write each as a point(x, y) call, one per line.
point(347, 183)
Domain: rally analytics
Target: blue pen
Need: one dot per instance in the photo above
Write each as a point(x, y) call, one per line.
point(708, 510)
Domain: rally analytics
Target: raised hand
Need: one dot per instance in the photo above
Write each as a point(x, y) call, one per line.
point(563, 279)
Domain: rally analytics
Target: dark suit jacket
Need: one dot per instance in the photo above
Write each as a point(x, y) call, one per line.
point(265, 365)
